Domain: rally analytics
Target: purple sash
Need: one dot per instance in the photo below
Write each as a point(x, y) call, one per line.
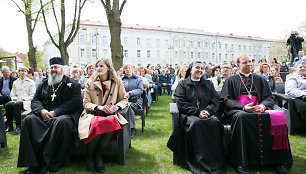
point(278, 127)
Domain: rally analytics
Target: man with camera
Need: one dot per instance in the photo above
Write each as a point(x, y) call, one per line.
point(295, 43)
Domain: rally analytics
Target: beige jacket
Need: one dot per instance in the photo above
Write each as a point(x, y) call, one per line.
point(93, 97)
point(23, 91)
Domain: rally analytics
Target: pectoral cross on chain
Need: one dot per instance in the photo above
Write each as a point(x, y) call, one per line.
point(198, 103)
point(53, 96)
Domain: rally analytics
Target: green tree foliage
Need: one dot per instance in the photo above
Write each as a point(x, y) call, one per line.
point(39, 60)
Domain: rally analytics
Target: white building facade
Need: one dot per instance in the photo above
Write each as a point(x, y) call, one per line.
point(155, 45)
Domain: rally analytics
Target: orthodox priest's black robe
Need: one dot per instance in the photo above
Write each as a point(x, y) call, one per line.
point(199, 144)
point(45, 143)
point(251, 143)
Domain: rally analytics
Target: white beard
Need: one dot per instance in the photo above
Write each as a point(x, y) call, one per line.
point(52, 80)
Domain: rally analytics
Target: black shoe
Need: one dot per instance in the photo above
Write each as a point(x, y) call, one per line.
point(282, 169)
point(89, 164)
point(17, 131)
point(242, 170)
point(133, 132)
point(9, 129)
point(99, 163)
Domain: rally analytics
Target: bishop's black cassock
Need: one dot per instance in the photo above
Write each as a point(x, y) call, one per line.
point(45, 143)
point(251, 143)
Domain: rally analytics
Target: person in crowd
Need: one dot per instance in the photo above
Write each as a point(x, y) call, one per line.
point(216, 71)
point(90, 69)
point(284, 67)
point(155, 74)
point(67, 72)
point(120, 73)
point(155, 81)
point(295, 86)
point(144, 80)
point(180, 77)
point(235, 70)
point(21, 94)
point(47, 73)
point(46, 132)
point(75, 75)
point(208, 71)
point(6, 84)
point(164, 81)
point(218, 81)
point(275, 64)
point(299, 57)
point(144, 72)
point(295, 42)
point(100, 122)
point(133, 88)
point(276, 76)
point(258, 137)
point(200, 135)
point(265, 73)
point(233, 64)
point(15, 74)
point(263, 60)
point(30, 73)
point(39, 78)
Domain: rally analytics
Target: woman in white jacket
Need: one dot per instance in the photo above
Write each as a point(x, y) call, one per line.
point(22, 93)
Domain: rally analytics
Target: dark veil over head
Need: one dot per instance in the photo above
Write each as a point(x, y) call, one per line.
point(188, 72)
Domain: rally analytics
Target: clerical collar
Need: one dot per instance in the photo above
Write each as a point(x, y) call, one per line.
point(245, 75)
point(195, 80)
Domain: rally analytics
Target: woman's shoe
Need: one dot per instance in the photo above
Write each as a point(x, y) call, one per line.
point(89, 164)
point(99, 163)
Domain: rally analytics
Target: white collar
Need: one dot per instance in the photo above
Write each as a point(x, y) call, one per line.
point(246, 75)
point(195, 80)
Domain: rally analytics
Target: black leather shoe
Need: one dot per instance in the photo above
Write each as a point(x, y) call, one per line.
point(89, 164)
point(99, 164)
point(282, 169)
point(242, 170)
point(133, 132)
point(17, 131)
point(9, 129)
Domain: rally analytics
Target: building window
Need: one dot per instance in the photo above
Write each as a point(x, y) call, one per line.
point(148, 53)
point(93, 52)
point(206, 44)
point(213, 45)
point(206, 55)
point(82, 38)
point(138, 53)
point(191, 54)
point(199, 55)
point(239, 47)
point(82, 50)
point(148, 42)
point(166, 42)
point(232, 56)
point(199, 44)
point(244, 47)
point(219, 56)
point(138, 40)
point(219, 44)
point(158, 42)
point(226, 56)
point(232, 46)
point(213, 55)
point(125, 40)
point(176, 42)
point(93, 38)
point(126, 53)
point(176, 54)
point(184, 43)
point(225, 46)
point(184, 54)
point(158, 54)
point(105, 52)
point(191, 43)
point(104, 41)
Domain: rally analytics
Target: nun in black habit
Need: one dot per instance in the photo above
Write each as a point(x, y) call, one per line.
point(198, 141)
point(255, 140)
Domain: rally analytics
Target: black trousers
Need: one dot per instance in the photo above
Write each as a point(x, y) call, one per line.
point(13, 110)
point(4, 99)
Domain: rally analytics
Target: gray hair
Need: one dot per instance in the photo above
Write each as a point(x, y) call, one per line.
point(225, 63)
point(5, 68)
point(298, 63)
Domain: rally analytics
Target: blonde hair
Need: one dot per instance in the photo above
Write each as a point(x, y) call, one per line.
point(179, 76)
point(22, 69)
point(89, 66)
point(125, 67)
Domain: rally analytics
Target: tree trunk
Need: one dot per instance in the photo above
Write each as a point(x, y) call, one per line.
point(32, 49)
point(64, 53)
point(116, 47)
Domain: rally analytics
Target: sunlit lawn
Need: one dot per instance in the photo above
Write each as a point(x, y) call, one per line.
point(149, 153)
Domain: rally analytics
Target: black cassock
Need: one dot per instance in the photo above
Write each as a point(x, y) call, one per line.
point(251, 143)
point(198, 142)
point(45, 143)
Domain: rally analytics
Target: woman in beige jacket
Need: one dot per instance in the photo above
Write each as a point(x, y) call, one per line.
point(22, 92)
point(100, 121)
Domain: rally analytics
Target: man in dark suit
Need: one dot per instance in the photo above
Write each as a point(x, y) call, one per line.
point(46, 132)
point(6, 84)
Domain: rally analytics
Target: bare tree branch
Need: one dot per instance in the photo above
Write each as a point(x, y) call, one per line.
point(37, 16)
point(122, 5)
point(46, 25)
point(53, 9)
point(74, 19)
point(18, 7)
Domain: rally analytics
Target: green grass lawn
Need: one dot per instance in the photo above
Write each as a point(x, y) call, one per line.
point(149, 153)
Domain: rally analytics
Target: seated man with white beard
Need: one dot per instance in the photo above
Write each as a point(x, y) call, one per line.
point(46, 132)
